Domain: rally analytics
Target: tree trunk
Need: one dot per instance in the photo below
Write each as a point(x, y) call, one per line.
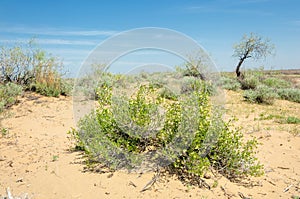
point(237, 70)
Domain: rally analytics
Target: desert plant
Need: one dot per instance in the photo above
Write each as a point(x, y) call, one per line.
point(191, 84)
point(292, 120)
point(232, 156)
point(290, 94)
point(229, 83)
point(124, 130)
point(32, 68)
point(262, 94)
point(276, 83)
point(8, 94)
point(251, 79)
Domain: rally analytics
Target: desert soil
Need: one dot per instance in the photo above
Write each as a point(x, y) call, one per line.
point(35, 157)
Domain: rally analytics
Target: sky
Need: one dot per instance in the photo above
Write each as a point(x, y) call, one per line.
point(71, 29)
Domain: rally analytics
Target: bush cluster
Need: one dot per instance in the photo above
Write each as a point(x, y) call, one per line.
point(125, 131)
point(33, 69)
point(262, 89)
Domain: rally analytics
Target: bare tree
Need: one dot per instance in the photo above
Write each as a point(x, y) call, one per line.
point(252, 46)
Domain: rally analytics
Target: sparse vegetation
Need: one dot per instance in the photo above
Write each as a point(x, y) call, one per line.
point(259, 87)
point(33, 69)
point(26, 67)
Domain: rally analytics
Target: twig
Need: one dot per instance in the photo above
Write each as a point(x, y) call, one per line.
point(287, 188)
point(283, 168)
point(225, 192)
point(243, 196)
point(132, 184)
point(149, 184)
point(203, 183)
point(272, 183)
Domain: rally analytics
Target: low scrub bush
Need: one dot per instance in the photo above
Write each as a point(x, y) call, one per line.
point(290, 94)
point(229, 83)
point(166, 93)
point(252, 78)
point(125, 130)
point(262, 94)
point(276, 83)
point(8, 94)
point(191, 84)
point(250, 82)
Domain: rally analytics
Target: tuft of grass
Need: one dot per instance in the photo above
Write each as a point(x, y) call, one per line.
point(292, 120)
point(55, 158)
point(270, 117)
point(4, 132)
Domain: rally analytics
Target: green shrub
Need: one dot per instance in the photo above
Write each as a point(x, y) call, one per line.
point(8, 94)
point(262, 94)
point(123, 131)
point(276, 83)
point(232, 156)
point(290, 94)
point(229, 83)
point(292, 120)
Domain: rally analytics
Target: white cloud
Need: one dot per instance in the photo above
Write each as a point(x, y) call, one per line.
point(56, 32)
point(52, 41)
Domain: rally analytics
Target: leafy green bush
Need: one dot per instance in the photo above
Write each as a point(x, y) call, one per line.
point(233, 157)
point(124, 130)
point(262, 94)
point(229, 83)
point(276, 83)
point(8, 94)
point(291, 94)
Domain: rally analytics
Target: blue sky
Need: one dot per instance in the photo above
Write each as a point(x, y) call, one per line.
point(70, 29)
